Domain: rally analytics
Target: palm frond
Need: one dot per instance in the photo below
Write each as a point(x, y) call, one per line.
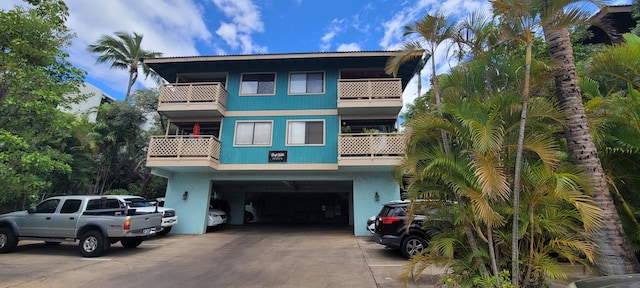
point(408, 51)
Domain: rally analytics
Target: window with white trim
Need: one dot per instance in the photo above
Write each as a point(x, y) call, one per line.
point(307, 82)
point(250, 133)
point(257, 84)
point(305, 132)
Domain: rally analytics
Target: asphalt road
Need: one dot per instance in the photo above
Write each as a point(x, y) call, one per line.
point(236, 256)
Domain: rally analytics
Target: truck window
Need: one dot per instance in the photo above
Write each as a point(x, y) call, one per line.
point(95, 204)
point(70, 206)
point(48, 206)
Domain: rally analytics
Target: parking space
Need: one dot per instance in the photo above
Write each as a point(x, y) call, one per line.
point(235, 256)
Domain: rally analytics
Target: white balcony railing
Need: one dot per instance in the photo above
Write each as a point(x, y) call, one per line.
point(371, 145)
point(203, 147)
point(363, 89)
point(209, 92)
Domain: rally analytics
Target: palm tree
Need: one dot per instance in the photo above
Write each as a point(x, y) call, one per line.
point(433, 30)
point(615, 118)
point(479, 168)
point(124, 52)
point(478, 39)
point(615, 254)
point(518, 24)
point(620, 61)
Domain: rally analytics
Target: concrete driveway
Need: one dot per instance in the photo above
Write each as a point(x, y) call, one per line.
point(236, 256)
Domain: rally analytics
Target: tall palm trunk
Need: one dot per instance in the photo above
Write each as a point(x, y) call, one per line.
point(515, 247)
point(436, 92)
point(133, 75)
point(615, 255)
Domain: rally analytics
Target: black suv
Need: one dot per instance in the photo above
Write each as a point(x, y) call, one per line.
point(391, 230)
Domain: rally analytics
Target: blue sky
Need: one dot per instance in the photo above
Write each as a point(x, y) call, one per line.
point(214, 27)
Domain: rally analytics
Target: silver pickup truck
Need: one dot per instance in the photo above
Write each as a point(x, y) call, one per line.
point(96, 221)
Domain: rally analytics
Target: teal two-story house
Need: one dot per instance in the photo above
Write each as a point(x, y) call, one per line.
point(294, 138)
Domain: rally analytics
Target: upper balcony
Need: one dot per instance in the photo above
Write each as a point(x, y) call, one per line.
point(179, 152)
point(377, 149)
point(376, 96)
point(201, 99)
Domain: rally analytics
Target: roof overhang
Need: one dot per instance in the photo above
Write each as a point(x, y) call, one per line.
point(610, 23)
point(171, 67)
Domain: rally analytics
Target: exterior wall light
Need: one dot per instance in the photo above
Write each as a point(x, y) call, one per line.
point(377, 197)
point(185, 195)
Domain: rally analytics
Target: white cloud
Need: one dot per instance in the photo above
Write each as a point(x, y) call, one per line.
point(228, 33)
point(349, 47)
point(245, 20)
point(329, 36)
point(335, 27)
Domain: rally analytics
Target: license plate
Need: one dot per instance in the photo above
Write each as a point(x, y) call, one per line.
point(146, 231)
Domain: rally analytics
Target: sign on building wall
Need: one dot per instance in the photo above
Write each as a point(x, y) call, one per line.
point(278, 156)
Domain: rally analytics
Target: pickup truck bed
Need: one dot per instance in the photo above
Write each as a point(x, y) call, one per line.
point(95, 221)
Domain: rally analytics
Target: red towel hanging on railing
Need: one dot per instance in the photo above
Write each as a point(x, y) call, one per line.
point(196, 130)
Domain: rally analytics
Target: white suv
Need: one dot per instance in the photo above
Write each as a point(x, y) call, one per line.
point(169, 217)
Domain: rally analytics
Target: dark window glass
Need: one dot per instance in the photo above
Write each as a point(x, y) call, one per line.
point(71, 206)
point(48, 206)
point(314, 133)
point(95, 204)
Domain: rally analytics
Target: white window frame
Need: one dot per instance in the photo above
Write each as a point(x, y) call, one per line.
point(324, 82)
point(275, 82)
point(324, 132)
point(235, 133)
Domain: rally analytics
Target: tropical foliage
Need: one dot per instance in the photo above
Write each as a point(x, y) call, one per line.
point(500, 111)
point(124, 51)
point(34, 77)
point(43, 150)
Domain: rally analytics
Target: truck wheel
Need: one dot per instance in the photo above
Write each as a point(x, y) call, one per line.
point(131, 243)
point(91, 244)
point(164, 231)
point(412, 245)
point(8, 241)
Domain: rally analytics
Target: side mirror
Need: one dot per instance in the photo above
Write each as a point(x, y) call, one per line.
point(31, 210)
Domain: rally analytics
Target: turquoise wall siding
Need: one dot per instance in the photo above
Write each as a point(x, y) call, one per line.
point(295, 154)
point(192, 212)
point(282, 100)
point(364, 188)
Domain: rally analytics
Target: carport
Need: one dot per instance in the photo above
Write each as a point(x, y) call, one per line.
point(287, 201)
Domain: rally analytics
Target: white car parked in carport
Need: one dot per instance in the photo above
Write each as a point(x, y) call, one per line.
point(169, 217)
point(216, 217)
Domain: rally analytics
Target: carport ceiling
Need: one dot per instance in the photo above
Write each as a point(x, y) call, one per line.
point(284, 186)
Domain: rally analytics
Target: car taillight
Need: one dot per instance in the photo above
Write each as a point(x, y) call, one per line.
point(388, 220)
point(127, 224)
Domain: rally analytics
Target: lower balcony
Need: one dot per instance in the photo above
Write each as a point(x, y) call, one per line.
point(378, 149)
point(175, 153)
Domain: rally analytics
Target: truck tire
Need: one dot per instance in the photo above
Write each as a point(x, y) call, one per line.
point(91, 244)
point(412, 245)
point(8, 241)
point(131, 243)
